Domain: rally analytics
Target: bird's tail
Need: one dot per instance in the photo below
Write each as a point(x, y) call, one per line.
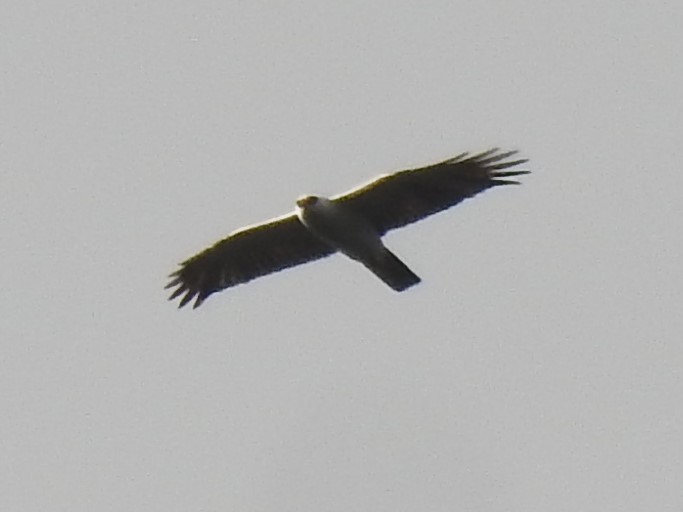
point(392, 271)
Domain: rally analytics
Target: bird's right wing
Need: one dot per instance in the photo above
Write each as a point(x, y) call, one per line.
point(244, 255)
point(394, 200)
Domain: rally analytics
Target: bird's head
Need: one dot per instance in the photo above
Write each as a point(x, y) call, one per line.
point(306, 201)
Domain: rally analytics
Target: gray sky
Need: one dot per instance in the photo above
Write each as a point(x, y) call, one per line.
point(538, 365)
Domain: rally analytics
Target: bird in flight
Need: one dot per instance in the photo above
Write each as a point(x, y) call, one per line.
point(352, 223)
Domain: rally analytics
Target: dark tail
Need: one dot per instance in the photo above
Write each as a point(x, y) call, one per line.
point(393, 271)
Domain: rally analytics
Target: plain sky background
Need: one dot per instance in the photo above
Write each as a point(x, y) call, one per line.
point(537, 367)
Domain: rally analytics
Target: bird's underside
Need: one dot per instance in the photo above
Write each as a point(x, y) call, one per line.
point(352, 223)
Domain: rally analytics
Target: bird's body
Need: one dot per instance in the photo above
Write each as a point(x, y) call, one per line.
point(352, 223)
point(350, 233)
point(340, 227)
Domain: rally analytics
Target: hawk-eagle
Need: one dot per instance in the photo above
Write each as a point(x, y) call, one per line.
point(352, 223)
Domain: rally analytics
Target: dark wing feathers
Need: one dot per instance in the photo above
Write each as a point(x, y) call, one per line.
point(244, 255)
point(395, 200)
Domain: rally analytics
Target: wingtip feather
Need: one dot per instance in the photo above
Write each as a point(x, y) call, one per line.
point(173, 283)
point(187, 298)
point(506, 174)
point(505, 165)
point(178, 291)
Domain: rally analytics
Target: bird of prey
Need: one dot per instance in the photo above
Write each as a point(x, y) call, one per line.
point(352, 223)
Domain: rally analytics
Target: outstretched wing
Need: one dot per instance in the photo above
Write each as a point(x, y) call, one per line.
point(246, 254)
point(394, 200)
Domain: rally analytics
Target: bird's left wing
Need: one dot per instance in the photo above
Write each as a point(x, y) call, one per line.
point(244, 255)
point(394, 200)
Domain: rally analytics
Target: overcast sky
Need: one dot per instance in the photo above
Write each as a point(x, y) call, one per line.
point(537, 366)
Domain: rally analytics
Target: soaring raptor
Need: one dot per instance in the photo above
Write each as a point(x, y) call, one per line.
point(352, 223)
